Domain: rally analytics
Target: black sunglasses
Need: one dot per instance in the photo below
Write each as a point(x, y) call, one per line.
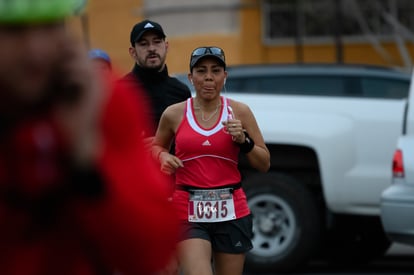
point(209, 50)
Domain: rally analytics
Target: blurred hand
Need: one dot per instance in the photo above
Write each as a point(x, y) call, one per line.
point(79, 114)
point(148, 143)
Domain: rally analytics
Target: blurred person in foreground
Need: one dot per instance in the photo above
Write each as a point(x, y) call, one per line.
point(210, 131)
point(77, 192)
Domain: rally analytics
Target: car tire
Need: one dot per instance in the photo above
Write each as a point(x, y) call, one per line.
point(355, 240)
point(286, 223)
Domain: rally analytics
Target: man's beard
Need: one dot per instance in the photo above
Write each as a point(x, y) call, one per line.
point(154, 67)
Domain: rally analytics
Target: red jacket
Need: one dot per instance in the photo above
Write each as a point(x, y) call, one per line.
point(127, 224)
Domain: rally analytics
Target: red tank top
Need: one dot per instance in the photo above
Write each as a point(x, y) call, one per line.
point(210, 159)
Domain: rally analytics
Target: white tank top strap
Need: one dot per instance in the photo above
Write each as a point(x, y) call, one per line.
point(229, 109)
point(192, 121)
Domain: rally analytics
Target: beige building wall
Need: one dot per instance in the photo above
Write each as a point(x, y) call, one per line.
point(234, 25)
point(190, 24)
point(107, 25)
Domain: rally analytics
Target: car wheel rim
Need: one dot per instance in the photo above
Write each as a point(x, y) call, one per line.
point(273, 225)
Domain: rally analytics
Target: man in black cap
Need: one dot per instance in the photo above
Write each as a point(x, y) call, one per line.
point(149, 50)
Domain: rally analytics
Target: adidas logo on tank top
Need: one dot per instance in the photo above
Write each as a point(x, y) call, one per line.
point(206, 143)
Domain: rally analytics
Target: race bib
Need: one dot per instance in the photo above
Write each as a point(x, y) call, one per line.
point(213, 205)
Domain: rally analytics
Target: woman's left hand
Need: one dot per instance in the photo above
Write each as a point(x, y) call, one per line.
point(235, 129)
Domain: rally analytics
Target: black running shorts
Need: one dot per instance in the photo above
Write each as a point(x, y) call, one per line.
point(232, 237)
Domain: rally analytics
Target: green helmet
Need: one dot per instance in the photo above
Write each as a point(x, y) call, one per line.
point(28, 11)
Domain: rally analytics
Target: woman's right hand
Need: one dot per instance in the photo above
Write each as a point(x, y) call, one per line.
point(169, 163)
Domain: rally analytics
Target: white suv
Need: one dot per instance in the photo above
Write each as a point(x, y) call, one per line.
point(331, 131)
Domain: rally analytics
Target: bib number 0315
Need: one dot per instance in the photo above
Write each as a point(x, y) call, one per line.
point(211, 206)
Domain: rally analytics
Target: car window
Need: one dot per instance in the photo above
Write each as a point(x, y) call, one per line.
point(384, 88)
point(290, 85)
point(315, 84)
point(321, 85)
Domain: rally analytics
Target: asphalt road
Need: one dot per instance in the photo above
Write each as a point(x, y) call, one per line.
point(398, 261)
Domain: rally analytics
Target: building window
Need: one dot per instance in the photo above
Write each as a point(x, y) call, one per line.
point(322, 19)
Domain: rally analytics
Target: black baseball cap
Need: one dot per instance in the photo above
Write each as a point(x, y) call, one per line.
point(202, 52)
point(147, 25)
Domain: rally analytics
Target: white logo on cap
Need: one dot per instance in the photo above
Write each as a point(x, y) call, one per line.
point(148, 25)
